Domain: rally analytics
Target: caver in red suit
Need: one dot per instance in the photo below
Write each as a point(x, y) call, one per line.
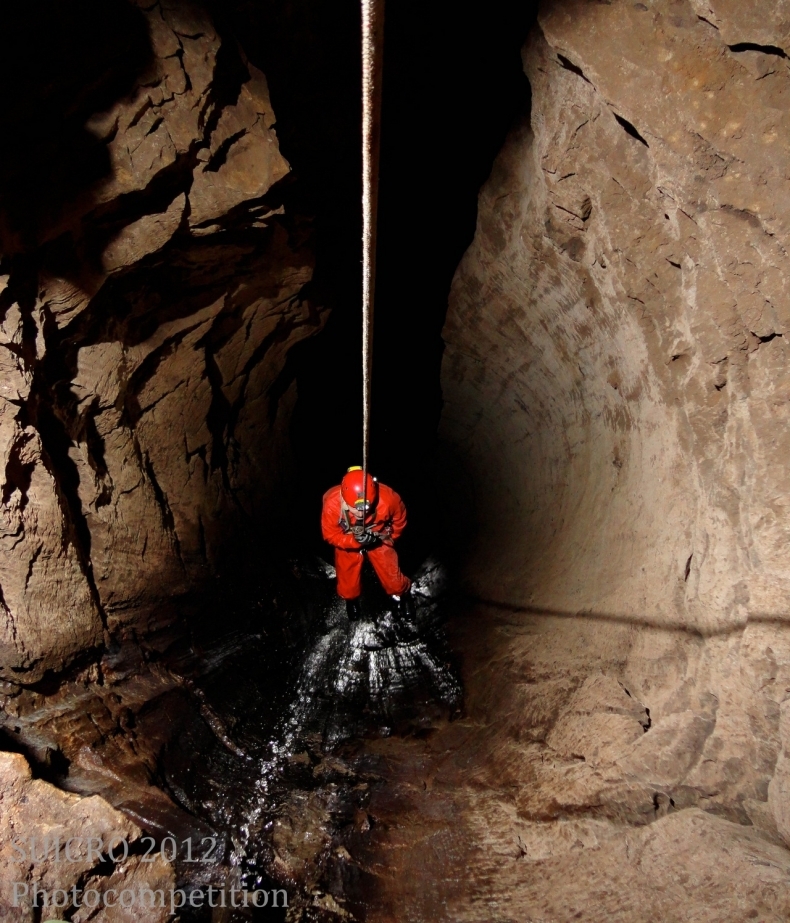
point(364, 522)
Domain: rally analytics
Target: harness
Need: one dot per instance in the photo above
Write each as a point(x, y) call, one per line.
point(346, 525)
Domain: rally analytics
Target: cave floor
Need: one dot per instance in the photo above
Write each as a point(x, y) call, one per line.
point(554, 797)
point(493, 818)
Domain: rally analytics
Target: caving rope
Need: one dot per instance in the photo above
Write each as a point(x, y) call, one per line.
point(372, 69)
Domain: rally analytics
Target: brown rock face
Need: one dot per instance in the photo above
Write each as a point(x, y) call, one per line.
point(55, 842)
point(145, 316)
point(616, 383)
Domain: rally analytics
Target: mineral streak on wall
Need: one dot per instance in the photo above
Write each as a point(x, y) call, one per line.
point(150, 288)
point(616, 376)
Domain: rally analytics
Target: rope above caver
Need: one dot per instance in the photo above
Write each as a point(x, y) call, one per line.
point(372, 70)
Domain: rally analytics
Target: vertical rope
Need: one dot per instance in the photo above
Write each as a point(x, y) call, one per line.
point(372, 69)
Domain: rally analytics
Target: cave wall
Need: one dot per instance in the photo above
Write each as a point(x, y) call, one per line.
point(36, 823)
point(150, 291)
point(616, 382)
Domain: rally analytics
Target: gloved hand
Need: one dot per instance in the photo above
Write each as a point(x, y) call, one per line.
point(365, 537)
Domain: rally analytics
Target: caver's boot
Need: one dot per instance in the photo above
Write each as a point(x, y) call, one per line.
point(353, 610)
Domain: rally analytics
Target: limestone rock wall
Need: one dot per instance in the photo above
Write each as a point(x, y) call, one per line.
point(146, 313)
point(616, 382)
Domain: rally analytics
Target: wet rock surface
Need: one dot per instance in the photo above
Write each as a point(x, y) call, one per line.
point(295, 806)
point(246, 742)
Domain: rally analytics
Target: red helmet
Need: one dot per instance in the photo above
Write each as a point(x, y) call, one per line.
point(355, 494)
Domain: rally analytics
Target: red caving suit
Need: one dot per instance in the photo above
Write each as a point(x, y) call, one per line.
point(388, 518)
